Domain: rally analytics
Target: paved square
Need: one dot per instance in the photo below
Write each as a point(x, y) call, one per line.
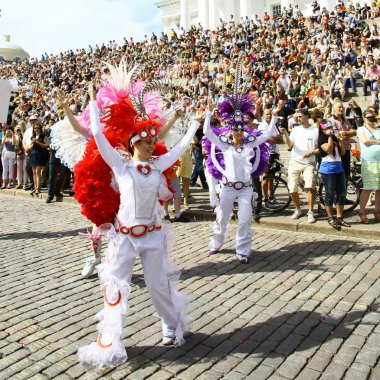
point(305, 307)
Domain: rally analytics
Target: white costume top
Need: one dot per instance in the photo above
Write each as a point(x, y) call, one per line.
point(140, 183)
point(237, 159)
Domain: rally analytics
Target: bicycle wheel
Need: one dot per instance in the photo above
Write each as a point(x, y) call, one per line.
point(353, 195)
point(280, 193)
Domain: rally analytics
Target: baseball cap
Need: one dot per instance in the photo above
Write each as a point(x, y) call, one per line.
point(33, 117)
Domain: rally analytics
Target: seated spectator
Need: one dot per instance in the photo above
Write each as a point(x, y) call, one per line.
point(337, 89)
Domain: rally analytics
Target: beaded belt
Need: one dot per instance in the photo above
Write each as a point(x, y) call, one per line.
point(139, 230)
point(236, 185)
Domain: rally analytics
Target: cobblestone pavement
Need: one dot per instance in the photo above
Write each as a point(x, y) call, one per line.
point(305, 307)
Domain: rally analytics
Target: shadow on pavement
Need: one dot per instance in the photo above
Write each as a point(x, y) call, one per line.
point(293, 256)
point(40, 235)
point(278, 336)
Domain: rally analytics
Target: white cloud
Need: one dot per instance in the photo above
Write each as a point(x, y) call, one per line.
point(54, 26)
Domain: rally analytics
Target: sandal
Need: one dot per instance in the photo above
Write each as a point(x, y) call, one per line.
point(363, 218)
point(342, 222)
point(333, 223)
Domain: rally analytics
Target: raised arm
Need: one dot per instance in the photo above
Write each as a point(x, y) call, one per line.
point(168, 159)
point(109, 154)
point(165, 129)
point(211, 135)
point(60, 98)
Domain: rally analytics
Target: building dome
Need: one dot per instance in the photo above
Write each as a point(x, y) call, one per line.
point(10, 51)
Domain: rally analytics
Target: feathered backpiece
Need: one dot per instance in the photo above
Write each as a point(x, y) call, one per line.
point(130, 107)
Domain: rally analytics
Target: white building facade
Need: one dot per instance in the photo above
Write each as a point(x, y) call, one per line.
point(184, 13)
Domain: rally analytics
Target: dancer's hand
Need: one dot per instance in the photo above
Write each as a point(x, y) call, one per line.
point(210, 104)
point(92, 91)
point(199, 116)
point(60, 97)
point(177, 114)
point(275, 111)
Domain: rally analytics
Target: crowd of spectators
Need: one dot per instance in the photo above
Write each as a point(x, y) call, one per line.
point(291, 60)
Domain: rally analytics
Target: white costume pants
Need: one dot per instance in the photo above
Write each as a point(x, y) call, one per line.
point(115, 275)
point(213, 185)
point(244, 232)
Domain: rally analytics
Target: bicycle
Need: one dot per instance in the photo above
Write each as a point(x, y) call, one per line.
point(282, 197)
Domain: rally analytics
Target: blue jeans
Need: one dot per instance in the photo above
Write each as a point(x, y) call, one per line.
point(350, 82)
point(335, 184)
point(198, 169)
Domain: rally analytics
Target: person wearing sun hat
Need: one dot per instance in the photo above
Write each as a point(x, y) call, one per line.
point(369, 138)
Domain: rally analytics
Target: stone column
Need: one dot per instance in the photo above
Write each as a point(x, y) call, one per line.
point(230, 9)
point(328, 4)
point(212, 14)
point(244, 9)
point(185, 15)
point(203, 13)
point(166, 22)
point(286, 3)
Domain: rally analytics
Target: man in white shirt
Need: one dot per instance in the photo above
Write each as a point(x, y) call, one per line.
point(26, 140)
point(303, 141)
point(267, 184)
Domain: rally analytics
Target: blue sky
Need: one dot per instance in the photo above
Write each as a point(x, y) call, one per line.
point(58, 25)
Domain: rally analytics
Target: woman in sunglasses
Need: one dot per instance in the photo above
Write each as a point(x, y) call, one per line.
point(369, 137)
point(331, 148)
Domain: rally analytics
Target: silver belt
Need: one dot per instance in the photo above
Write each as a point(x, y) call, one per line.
point(236, 185)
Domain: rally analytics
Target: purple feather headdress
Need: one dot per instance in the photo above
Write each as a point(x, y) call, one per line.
point(236, 104)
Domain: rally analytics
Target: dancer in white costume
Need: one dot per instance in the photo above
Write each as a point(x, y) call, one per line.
point(237, 181)
point(137, 232)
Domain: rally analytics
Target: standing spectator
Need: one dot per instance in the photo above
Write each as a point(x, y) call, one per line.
point(369, 137)
point(303, 141)
point(198, 160)
point(57, 173)
point(273, 140)
point(8, 157)
point(38, 155)
point(344, 129)
point(331, 150)
point(22, 177)
point(26, 142)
